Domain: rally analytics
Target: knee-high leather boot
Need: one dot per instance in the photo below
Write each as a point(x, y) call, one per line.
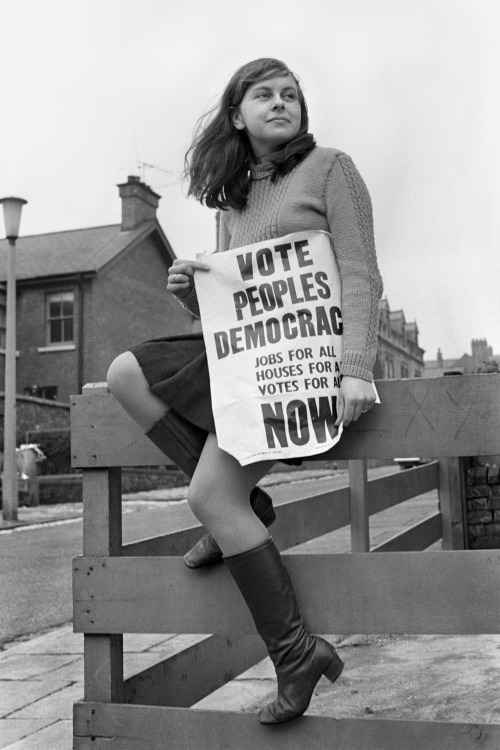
point(183, 442)
point(299, 658)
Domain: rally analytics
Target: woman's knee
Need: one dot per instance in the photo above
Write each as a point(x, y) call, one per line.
point(198, 501)
point(122, 373)
point(204, 498)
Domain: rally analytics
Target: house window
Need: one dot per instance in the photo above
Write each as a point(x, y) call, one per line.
point(3, 325)
point(404, 371)
point(388, 368)
point(60, 317)
point(42, 391)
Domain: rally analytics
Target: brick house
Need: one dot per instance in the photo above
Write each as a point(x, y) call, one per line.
point(84, 296)
point(399, 354)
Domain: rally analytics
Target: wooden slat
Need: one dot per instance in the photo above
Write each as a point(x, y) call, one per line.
point(452, 502)
point(421, 416)
point(102, 535)
point(154, 728)
point(298, 521)
point(171, 544)
point(385, 492)
point(102, 434)
point(418, 537)
point(306, 518)
point(358, 503)
point(188, 676)
point(90, 389)
point(102, 512)
point(393, 592)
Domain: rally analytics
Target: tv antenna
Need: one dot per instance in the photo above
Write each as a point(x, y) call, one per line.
point(143, 165)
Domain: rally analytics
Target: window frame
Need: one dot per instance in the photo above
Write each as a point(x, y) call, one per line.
point(50, 298)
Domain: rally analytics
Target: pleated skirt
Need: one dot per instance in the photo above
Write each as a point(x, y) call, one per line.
point(176, 369)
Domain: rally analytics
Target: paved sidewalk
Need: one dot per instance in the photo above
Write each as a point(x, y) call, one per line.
point(42, 677)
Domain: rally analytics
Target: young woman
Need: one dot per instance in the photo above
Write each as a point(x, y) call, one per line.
point(254, 159)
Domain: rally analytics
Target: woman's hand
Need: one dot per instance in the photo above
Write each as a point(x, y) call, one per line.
point(356, 396)
point(180, 276)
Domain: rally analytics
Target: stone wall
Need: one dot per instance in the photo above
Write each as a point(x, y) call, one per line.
point(482, 493)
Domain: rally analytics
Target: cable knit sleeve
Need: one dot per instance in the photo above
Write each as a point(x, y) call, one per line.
point(349, 214)
point(190, 303)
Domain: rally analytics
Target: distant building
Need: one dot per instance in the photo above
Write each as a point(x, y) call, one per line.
point(84, 296)
point(399, 354)
point(481, 359)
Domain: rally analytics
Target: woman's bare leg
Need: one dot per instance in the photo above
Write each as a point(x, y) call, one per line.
point(219, 494)
point(128, 385)
point(219, 497)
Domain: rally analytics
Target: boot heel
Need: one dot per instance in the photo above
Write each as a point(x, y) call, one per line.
point(262, 506)
point(268, 518)
point(334, 669)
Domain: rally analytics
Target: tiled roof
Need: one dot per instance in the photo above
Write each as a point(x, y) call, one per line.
point(69, 252)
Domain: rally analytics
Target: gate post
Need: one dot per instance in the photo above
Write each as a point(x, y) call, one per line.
point(102, 536)
point(358, 501)
point(452, 502)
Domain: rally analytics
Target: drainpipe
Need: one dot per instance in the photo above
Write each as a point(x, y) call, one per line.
point(80, 332)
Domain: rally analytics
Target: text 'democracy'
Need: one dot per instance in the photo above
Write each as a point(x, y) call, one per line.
point(272, 324)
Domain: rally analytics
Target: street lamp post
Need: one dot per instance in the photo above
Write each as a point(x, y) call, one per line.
point(12, 216)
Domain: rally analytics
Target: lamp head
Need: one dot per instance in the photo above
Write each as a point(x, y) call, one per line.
point(12, 208)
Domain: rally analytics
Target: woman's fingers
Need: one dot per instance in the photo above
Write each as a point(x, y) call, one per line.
point(187, 266)
point(356, 397)
point(180, 275)
point(340, 410)
point(197, 265)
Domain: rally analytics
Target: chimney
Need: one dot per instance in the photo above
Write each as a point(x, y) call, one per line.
point(479, 350)
point(139, 203)
point(439, 359)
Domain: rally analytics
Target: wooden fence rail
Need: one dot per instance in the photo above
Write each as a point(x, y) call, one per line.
point(145, 587)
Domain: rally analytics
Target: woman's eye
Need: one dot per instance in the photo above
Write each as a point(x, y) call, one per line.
point(290, 96)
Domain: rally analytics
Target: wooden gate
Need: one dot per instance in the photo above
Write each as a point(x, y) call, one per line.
point(145, 587)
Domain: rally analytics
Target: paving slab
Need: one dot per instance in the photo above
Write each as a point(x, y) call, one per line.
point(178, 643)
point(137, 642)
point(59, 640)
point(56, 736)
point(12, 730)
point(422, 678)
point(31, 666)
point(16, 694)
point(57, 705)
point(72, 672)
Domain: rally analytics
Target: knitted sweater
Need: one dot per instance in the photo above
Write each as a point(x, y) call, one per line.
point(326, 192)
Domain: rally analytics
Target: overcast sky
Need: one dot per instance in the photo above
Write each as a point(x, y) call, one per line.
point(408, 88)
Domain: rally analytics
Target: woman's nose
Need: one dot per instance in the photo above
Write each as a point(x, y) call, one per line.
point(278, 102)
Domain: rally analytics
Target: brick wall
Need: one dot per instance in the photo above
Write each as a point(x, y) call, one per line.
point(483, 506)
point(36, 414)
point(46, 368)
point(67, 488)
point(127, 302)
point(131, 304)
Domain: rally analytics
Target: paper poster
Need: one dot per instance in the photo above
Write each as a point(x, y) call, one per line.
point(272, 325)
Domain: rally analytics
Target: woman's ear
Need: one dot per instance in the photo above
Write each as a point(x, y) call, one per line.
point(237, 120)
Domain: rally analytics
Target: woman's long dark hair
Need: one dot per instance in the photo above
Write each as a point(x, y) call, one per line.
point(218, 161)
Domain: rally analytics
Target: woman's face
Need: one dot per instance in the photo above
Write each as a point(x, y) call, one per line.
point(269, 113)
